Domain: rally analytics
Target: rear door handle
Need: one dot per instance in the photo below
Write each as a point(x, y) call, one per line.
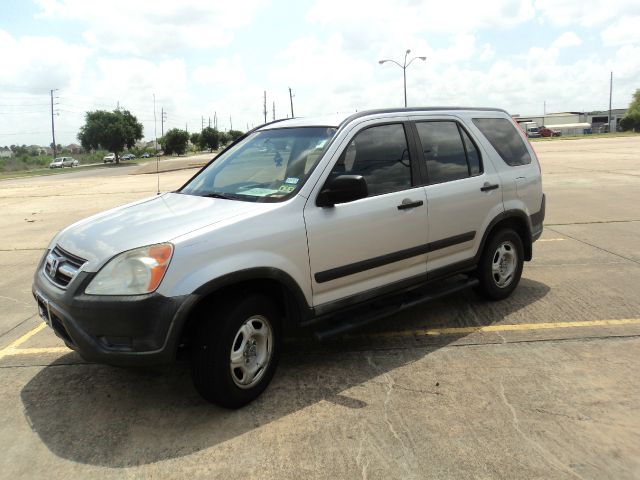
point(487, 186)
point(407, 203)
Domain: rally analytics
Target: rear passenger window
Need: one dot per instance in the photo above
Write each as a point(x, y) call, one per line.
point(380, 154)
point(504, 137)
point(448, 151)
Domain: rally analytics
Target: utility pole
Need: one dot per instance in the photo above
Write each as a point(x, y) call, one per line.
point(291, 100)
point(274, 111)
point(230, 123)
point(215, 120)
point(202, 125)
point(265, 106)
point(186, 127)
point(610, 95)
point(53, 128)
point(163, 118)
point(209, 122)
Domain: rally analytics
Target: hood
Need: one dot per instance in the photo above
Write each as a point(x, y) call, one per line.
point(160, 219)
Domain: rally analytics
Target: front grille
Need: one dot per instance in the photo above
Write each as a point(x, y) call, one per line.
point(61, 266)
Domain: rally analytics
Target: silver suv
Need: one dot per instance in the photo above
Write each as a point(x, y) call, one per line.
point(300, 223)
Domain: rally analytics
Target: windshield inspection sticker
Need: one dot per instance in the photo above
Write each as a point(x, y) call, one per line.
point(292, 180)
point(286, 188)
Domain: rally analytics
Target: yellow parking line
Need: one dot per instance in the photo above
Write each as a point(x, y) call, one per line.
point(551, 239)
point(35, 351)
point(507, 328)
point(12, 349)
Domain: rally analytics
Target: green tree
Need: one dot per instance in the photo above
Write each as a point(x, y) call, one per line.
point(631, 120)
point(196, 139)
point(110, 130)
point(210, 138)
point(175, 141)
point(234, 134)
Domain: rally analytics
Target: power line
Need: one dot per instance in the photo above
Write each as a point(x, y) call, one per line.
point(53, 128)
point(24, 104)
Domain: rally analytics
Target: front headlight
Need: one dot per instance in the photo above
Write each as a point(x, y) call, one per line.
point(135, 272)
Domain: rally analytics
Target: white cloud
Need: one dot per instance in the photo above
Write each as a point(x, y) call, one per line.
point(587, 13)
point(390, 17)
point(487, 54)
point(567, 39)
point(154, 27)
point(625, 30)
point(224, 71)
point(36, 64)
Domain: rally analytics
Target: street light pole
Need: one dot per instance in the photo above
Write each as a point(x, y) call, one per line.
point(404, 67)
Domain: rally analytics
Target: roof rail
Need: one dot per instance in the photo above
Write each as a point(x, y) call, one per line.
point(365, 113)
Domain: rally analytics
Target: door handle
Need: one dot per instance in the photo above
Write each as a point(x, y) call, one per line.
point(487, 186)
point(407, 203)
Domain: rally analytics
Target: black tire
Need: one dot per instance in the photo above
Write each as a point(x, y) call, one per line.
point(496, 285)
point(214, 339)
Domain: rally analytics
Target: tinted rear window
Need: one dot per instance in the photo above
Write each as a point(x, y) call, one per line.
point(504, 137)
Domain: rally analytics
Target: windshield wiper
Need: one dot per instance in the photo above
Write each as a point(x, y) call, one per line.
point(224, 196)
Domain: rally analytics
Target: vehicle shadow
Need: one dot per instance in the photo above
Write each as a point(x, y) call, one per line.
point(114, 417)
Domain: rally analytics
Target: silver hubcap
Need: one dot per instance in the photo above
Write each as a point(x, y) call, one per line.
point(251, 351)
point(503, 265)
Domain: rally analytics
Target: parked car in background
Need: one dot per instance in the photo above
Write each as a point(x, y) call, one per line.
point(533, 132)
point(62, 162)
point(110, 158)
point(548, 132)
point(128, 156)
point(145, 155)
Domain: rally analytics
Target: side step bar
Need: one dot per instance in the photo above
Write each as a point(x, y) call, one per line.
point(343, 324)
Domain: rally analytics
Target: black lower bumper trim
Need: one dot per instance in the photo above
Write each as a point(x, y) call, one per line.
point(118, 330)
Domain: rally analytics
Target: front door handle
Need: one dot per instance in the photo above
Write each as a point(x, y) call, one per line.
point(407, 203)
point(487, 186)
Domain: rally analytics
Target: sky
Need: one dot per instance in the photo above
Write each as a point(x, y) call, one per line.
point(208, 59)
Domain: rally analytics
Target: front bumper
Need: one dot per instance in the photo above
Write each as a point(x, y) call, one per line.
point(133, 330)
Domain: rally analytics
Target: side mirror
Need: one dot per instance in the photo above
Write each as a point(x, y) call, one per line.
point(342, 189)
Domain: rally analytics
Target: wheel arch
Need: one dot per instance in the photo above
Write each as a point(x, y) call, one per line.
point(274, 282)
point(515, 220)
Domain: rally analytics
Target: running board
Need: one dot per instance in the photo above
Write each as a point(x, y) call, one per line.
point(342, 325)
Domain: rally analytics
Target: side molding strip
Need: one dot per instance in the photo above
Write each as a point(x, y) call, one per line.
point(368, 264)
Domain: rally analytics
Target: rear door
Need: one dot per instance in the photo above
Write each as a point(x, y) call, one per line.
point(463, 191)
point(519, 166)
point(373, 242)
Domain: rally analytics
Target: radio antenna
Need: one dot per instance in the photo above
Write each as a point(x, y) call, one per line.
point(155, 144)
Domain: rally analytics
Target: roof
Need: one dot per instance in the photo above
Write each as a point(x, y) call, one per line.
point(337, 119)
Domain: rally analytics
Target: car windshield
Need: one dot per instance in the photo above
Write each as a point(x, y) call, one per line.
point(267, 166)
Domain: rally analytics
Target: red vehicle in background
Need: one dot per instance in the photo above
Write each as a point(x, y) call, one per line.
point(548, 132)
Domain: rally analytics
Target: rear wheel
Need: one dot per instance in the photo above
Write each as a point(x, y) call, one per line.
point(235, 352)
point(501, 265)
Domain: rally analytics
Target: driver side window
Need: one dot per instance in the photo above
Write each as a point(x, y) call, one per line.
point(381, 155)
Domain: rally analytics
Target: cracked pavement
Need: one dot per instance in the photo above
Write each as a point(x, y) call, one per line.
point(549, 389)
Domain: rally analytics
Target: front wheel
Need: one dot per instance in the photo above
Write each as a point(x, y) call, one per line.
point(500, 267)
point(236, 351)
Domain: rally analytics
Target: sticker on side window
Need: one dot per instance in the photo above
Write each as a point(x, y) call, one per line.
point(292, 180)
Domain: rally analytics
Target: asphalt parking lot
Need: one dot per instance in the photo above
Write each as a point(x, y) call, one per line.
point(542, 385)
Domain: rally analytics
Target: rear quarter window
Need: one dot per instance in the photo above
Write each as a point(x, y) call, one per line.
point(504, 137)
